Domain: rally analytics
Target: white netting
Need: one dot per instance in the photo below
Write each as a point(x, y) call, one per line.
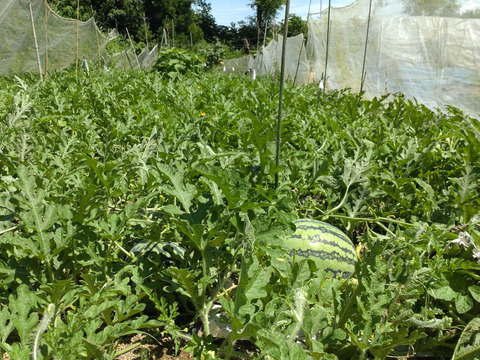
point(56, 38)
point(268, 61)
point(239, 65)
point(428, 50)
point(435, 59)
point(128, 60)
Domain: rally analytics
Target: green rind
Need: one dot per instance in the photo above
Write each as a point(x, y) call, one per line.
point(330, 249)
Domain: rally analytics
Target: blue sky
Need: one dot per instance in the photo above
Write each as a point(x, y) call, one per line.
point(228, 11)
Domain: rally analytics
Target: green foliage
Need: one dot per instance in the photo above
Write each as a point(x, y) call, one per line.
point(174, 62)
point(468, 346)
point(187, 24)
point(213, 53)
point(296, 26)
point(448, 8)
point(145, 20)
point(131, 202)
point(206, 21)
point(68, 8)
point(266, 10)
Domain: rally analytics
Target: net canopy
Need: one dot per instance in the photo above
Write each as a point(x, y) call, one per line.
point(56, 36)
point(269, 60)
point(129, 59)
point(427, 50)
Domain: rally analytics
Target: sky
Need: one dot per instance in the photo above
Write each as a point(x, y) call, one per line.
point(227, 11)
point(470, 4)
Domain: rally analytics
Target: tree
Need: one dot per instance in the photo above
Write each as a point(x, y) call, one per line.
point(266, 10)
point(246, 39)
point(175, 16)
point(142, 18)
point(471, 14)
point(431, 7)
point(68, 9)
point(121, 15)
point(296, 26)
point(205, 20)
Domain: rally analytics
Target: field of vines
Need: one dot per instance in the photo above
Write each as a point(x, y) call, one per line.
point(136, 203)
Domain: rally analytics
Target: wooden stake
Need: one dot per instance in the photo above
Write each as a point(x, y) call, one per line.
point(39, 63)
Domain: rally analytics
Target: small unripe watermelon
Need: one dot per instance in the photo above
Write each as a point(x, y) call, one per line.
point(330, 249)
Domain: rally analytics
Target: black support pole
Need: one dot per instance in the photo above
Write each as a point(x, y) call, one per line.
point(280, 97)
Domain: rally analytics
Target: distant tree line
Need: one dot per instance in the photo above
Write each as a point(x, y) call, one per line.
point(187, 22)
point(183, 22)
point(443, 8)
point(145, 20)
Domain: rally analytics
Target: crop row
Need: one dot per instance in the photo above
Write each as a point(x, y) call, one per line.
point(130, 203)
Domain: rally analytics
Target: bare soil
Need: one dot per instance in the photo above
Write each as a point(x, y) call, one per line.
point(144, 347)
point(149, 349)
point(163, 350)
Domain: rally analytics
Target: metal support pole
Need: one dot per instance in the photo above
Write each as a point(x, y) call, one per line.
point(362, 81)
point(328, 44)
point(280, 97)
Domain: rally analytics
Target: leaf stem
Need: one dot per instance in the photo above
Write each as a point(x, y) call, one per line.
point(341, 202)
point(377, 220)
point(133, 257)
point(42, 327)
point(208, 306)
point(131, 347)
point(9, 229)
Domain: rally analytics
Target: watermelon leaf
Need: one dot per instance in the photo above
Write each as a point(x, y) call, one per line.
point(468, 346)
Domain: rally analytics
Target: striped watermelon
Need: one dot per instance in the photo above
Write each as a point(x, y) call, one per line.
point(330, 249)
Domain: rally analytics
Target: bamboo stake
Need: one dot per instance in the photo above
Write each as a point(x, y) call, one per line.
point(39, 63)
point(298, 62)
point(280, 98)
point(362, 81)
point(164, 39)
point(133, 48)
point(145, 29)
point(328, 44)
point(98, 49)
point(128, 58)
point(265, 33)
point(78, 20)
point(46, 37)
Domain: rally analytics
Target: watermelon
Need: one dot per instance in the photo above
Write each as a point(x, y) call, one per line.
point(330, 249)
